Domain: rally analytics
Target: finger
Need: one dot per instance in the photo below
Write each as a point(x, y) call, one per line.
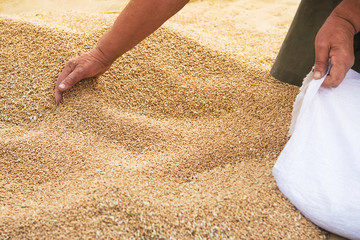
point(321, 59)
point(69, 67)
point(58, 96)
point(71, 79)
point(67, 70)
point(336, 76)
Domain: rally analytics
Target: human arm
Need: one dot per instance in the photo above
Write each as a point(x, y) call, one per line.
point(138, 20)
point(335, 41)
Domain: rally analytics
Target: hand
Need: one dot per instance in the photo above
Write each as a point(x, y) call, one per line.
point(137, 21)
point(335, 41)
point(90, 64)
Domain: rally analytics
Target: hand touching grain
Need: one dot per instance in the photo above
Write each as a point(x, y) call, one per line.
point(138, 20)
point(90, 64)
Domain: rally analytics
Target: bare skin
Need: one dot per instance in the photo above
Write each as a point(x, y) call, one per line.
point(335, 41)
point(138, 20)
point(142, 17)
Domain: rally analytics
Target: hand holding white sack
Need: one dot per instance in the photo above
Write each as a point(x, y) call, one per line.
point(319, 168)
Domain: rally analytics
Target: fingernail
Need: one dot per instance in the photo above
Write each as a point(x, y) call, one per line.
point(62, 86)
point(317, 74)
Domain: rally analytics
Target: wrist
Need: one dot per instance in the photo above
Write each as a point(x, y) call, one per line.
point(99, 55)
point(109, 47)
point(348, 11)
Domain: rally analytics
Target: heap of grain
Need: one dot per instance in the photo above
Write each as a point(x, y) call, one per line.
point(175, 140)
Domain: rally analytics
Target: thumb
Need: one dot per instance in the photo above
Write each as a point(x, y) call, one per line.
point(321, 60)
point(74, 77)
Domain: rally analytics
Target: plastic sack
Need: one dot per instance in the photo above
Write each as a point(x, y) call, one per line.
point(319, 168)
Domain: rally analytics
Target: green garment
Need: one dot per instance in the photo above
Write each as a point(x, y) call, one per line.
point(297, 53)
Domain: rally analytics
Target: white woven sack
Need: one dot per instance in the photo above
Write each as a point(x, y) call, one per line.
point(319, 168)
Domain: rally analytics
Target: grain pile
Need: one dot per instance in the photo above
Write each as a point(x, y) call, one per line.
point(176, 141)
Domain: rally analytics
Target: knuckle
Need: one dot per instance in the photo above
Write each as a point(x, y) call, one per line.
point(343, 55)
point(71, 63)
point(70, 80)
point(347, 54)
point(329, 83)
point(321, 44)
point(335, 84)
point(335, 80)
point(80, 71)
point(320, 65)
point(349, 58)
point(332, 82)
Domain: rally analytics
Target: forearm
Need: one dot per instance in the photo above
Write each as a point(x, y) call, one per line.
point(349, 10)
point(138, 20)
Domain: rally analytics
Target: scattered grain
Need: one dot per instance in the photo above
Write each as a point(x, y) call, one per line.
point(176, 141)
